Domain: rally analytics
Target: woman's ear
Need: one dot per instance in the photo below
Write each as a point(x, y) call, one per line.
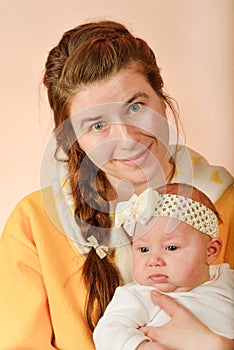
point(213, 249)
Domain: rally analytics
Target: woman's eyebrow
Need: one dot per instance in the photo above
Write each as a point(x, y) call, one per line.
point(135, 96)
point(88, 120)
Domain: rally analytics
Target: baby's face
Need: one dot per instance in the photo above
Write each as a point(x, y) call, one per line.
point(171, 262)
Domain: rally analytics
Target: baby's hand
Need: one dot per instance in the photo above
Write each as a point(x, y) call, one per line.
point(149, 345)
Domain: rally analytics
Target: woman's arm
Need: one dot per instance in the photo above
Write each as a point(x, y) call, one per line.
point(24, 317)
point(225, 208)
point(183, 331)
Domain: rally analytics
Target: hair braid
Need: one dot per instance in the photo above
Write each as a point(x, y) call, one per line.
point(100, 276)
point(88, 53)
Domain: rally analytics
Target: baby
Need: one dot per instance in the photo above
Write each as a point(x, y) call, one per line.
point(175, 241)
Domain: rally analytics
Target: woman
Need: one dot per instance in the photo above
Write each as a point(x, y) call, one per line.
point(60, 256)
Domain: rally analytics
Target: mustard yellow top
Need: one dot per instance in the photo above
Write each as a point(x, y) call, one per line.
point(42, 295)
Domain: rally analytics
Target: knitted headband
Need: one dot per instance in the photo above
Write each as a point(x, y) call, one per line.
point(151, 203)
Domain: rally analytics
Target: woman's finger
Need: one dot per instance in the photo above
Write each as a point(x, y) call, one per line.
point(169, 305)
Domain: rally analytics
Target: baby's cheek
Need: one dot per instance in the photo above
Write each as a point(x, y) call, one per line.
point(192, 275)
point(139, 274)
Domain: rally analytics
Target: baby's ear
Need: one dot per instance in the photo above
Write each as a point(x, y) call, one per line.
point(213, 249)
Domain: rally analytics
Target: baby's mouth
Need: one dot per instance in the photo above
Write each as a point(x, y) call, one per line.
point(158, 278)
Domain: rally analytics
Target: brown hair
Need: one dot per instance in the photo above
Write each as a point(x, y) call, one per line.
point(88, 53)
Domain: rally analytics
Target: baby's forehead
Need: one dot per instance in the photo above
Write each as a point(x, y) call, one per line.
point(164, 228)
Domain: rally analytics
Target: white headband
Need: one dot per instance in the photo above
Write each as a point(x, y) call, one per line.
point(151, 203)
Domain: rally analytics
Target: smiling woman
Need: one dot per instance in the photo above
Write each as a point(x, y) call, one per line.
point(60, 254)
point(110, 123)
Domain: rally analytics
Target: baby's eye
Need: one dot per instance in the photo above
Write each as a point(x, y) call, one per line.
point(135, 107)
point(98, 126)
point(144, 250)
point(171, 248)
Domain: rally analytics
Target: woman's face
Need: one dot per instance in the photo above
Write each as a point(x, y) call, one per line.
point(120, 124)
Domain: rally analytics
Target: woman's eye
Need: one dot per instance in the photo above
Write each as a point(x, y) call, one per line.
point(135, 107)
point(144, 250)
point(98, 126)
point(171, 248)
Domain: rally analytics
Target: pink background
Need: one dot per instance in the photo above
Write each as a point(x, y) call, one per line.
point(193, 41)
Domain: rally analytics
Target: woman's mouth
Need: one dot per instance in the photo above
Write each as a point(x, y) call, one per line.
point(137, 160)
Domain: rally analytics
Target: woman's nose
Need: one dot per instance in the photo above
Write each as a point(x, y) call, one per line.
point(124, 131)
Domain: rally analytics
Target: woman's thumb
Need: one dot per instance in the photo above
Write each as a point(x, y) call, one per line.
point(168, 304)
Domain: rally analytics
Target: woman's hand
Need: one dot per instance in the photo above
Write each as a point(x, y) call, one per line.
point(149, 345)
point(183, 331)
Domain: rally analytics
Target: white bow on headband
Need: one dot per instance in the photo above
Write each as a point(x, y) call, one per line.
point(138, 209)
point(151, 203)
